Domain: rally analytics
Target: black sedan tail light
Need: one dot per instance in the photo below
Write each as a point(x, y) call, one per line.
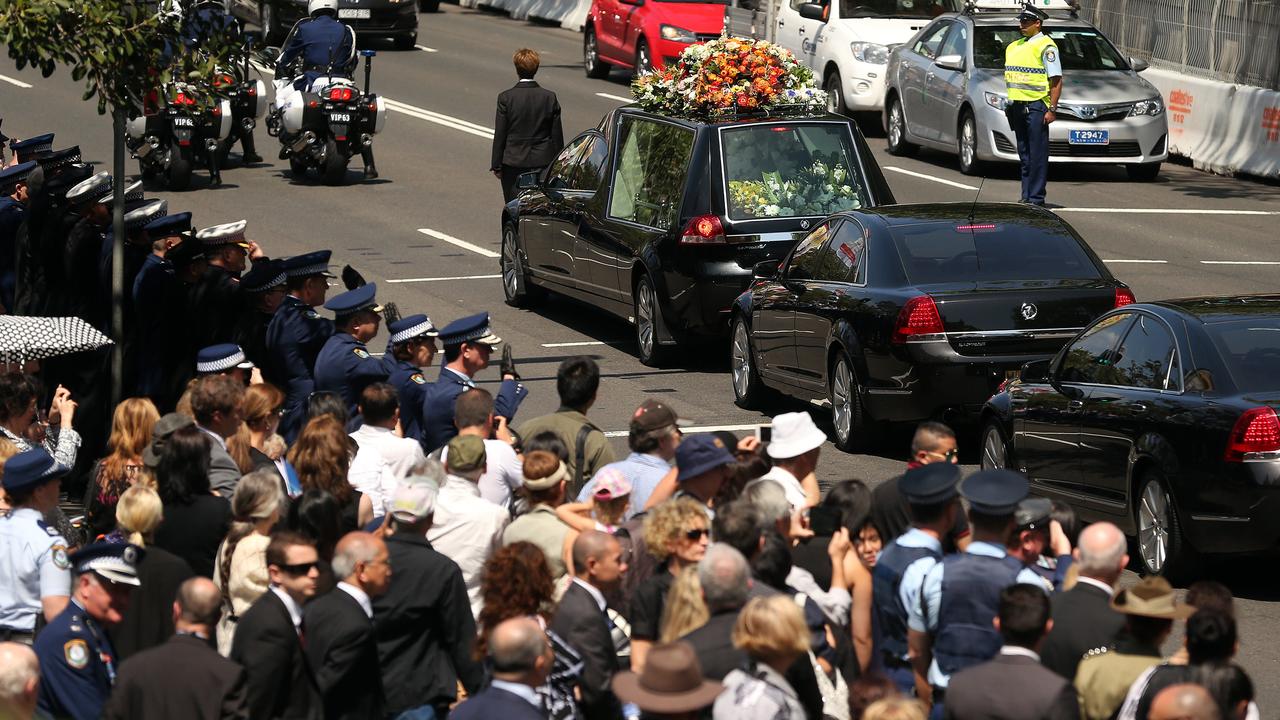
point(1124, 296)
point(918, 317)
point(1256, 436)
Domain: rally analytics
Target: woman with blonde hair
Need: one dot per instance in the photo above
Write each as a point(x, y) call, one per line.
point(322, 456)
point(676, 534)
point(895, 708)
point(772, 632)
point(685, 610)
point(131, 426)
point(241, 572)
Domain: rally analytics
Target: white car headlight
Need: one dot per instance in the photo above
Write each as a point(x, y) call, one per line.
point(998, 102)
point(1152, 107)
point(870, 53)
point(678, 34)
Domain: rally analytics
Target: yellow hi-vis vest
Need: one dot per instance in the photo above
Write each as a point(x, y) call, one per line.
point(1024, 71)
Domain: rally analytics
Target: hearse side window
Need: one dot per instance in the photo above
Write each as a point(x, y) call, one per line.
point(790, 170)
point(806, 258)
point(559, 174)
point(591, 169)
point(1091, 358)
point(1145, 356)
point(653, 162)
point(841, 256)
point(982, 250)
point(1251, 351)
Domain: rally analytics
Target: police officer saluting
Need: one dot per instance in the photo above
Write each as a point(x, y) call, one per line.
point(13, 210)
point(344, 364)
point(216, 300)
point(468, 344)
point(77, 662)
point(296, 334)
point(413, 346)
point(1033, 74)
point(951, 627)
point(930, 492)
point(35, 582)
point(263, 291)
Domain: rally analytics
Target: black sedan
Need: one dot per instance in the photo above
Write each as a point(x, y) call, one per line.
point(397, 19)
point(907, 312)
point(1160, 418)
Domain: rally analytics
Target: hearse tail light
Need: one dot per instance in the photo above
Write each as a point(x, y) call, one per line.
point(1124, 296)
point(919, 318)
point(704, 230)
point(1256, 436)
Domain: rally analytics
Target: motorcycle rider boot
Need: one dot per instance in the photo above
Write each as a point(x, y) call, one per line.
point(247, 154)
point(370, 169)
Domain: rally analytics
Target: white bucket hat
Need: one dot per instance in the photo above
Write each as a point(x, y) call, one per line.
point(794, 434)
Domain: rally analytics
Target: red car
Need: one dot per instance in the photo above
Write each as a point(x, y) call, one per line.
point(645, 34)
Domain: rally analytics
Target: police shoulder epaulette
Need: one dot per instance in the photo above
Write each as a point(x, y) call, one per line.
point(50, 531)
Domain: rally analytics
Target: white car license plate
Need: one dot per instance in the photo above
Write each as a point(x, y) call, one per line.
point(1089, 137)
point(354, 13)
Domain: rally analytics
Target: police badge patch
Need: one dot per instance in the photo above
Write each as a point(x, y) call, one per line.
point(417, 378)
point(76, 653)
point(60, 559)
point(1050, 55)
point(361, 353)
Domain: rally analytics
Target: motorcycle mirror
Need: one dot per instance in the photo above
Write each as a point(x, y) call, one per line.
point(368, 53)
point(250, 38)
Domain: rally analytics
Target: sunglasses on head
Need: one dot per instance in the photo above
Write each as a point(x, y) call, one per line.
point(299, 568)
point(695, 535)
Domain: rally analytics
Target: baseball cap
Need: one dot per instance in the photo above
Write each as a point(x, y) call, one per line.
point(611, 485)
point(466, 453)
point(698, 454)
point(413, 501)
point(654, 415)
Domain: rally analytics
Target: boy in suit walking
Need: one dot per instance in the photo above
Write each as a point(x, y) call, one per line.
point(527, 133)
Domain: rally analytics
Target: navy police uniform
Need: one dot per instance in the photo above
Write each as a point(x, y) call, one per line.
point(321, 42)
point(35, 563)
point(295, 336)
point(159, 301)
point(215, 298)
point(437, 407)
point(77, 662)
point(410, 384)
point(12, 214)
point(344, 365)
point(250, 330)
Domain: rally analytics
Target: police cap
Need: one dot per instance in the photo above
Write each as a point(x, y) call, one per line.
point(57, 159)
point(1033, 513)
point(63, 179)
point(995, 492)
point(187, 251)
point(231, 233)
point(354, 301)
point(27, 149)
point(470, 329)
point(312, 263)
point(30, 468)
point(217, 358)
point(265, 275)
point(117, 562)
point(132, 193)
point(143, 213)
point(408, 328)
point(87, 192)
point(930, 484)
point(1030, 12)
point(168, 225)
point(11, 176)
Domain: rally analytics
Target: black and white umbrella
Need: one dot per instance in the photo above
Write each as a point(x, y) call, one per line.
point(37, 338)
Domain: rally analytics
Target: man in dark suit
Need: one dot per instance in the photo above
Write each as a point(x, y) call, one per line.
point(581, 621)
point(522, 658)
point(209, 686)
point(1014, 685)
point(526, 134)
point(269, 636)
point(342, 647)
point(1082, 616)
point(726, 579)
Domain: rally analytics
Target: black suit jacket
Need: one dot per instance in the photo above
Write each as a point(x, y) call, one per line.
point(497, 703)
point(1010, 687)
point(1082, 621)
point(183, 678)
point(281, 682)
point(342, 650)
point(526, 132)
point(148, 621)
point(582, 624)
point(713, 642)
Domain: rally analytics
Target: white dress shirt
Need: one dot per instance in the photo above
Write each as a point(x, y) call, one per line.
point(360, 595)
point(790, 485)
point(371, 474)
point(402, 454)
point(467, 529)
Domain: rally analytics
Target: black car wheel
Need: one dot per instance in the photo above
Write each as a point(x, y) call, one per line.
point(748, 391)
point(429, 6)
point(591, 62)
point(646, 321)
point(968, 145)
point(1161, 547)
point(515, 279)
point(995, 448)
point(835, 95)
point(335, 164)
point(644, 61)
point(181, 160)
point(897, 131)
point(406, 42)
point(847, 415)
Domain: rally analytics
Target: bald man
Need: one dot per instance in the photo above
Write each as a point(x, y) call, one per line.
point(522, 659)
point(1184, 702)
point(184, 677)
point(341, 645)
point(581, 621)
point(19, 681)
point(1082, 616)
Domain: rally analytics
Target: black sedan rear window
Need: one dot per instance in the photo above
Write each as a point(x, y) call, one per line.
point(1251, 350)
point(963, 251)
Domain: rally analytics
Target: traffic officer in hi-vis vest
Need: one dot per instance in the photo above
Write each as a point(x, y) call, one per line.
point(1033, 74)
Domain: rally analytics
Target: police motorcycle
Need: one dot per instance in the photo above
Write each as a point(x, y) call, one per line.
point(320, 115)
point(182, 125)
point(248, 99)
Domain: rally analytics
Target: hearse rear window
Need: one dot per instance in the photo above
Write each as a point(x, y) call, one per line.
point(790, 170)
point(939, 252)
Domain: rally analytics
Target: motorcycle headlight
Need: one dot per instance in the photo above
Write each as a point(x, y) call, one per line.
point(1152, 107)
point(998, 102)
point(678, 34)
point(870, 53)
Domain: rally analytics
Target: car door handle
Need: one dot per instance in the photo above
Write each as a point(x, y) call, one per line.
point(1138, 407)
point(1075, 405)
point(781, 24)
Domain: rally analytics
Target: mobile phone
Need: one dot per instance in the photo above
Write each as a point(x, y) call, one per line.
point(824, 520)
point(764, 433)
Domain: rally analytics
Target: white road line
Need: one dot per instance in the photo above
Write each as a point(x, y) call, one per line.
point(441, 279)
point(1136, 262)
point(1166, 211)
point(1240, 262)
point(619, 98)
point(439, 118)
point(584, 343)
point(424, 48)
point(460, 243)
point(922, 176)
point(12, 81)
point(698, 429)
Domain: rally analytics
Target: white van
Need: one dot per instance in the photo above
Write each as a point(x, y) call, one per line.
point(847, 42)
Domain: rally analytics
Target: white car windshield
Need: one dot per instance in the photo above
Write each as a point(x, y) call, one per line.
point(1078, 48)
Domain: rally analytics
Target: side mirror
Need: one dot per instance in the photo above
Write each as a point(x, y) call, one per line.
point(950, 62)
point(1036, 371)
point(1138, 64)
point(765, 270)
point(270, 54)
point(813, 11)
point(527, 180)
point(637, 3)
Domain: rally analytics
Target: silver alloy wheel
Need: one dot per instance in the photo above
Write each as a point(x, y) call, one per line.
point(741, 360)
point(994, 453)
point(896, 131)
point(842, 390)
point(645, 304)
point(968, 143)
point(1153, 526)
point(643, 61)
point(511, 265)
point(589, 53)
